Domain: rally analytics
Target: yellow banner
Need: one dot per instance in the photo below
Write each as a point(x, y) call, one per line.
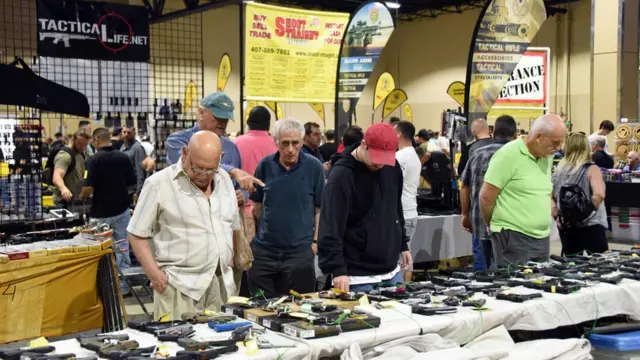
point(224, 71)
point(393, 101)
point(384, 86)
point(408, 113)
point(319, 109)
point(291, 54)
point(276, 108)
point(190, 95)
point(456, 91)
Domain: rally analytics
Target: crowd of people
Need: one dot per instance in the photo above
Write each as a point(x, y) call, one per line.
point(347, 205)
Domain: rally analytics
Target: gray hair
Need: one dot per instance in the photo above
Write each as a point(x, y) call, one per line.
point(544, 124)
point(599, 141)
point(288, 125)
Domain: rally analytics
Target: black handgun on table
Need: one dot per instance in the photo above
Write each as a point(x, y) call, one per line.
point(207, 354)
point(15, 354)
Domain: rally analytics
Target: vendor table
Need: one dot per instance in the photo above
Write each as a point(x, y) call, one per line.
point(623, 194)
point(549, 312)
point(440, 237)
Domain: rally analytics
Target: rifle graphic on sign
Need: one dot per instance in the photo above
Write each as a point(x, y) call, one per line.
point(65, 38)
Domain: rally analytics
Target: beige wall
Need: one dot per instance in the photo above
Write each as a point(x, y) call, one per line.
point(425, 57)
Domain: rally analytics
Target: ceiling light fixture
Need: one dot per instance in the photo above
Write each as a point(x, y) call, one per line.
point(392, 5)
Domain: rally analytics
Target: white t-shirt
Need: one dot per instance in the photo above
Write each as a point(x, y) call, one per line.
point(411, 167)
point(443, 142)
point(594, 136)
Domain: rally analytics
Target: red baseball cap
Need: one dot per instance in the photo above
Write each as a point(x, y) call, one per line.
point(383, 142)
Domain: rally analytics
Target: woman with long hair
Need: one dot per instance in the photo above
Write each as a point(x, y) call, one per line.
point(576, 168)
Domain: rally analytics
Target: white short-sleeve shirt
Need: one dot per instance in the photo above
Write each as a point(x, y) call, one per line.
point(191, 235)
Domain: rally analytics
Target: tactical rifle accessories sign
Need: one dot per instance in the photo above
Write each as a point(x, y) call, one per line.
point(93, 30)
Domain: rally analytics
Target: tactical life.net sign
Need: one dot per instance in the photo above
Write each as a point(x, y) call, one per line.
point(92, 30)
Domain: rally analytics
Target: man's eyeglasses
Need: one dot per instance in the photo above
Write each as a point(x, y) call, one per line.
point(202, 172)
point(286, 143)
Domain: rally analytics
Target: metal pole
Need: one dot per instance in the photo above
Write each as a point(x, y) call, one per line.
point(242, 40)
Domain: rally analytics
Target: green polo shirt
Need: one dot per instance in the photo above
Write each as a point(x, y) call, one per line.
point(524, 202)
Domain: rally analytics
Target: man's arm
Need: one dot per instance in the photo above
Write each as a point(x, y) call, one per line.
point(257, 195)
point(488, 197)
point(174, 145)
point(138, 156)
point(405, 238)
point(140, 231)
point(334, 214)
point(465, 190)
point(60, 165)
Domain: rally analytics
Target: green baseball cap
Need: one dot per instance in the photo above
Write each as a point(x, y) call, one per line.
point(220, 105)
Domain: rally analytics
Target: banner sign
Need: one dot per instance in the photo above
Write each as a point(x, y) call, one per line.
point(291, 53)
point(384, 85)
point(502, 34)
point(396, 98)
point(456, 91)
point(367, 34)
point(528, 85)
point(319, 109)
point(276, 108)
point(92, 30)
point(224, 71)
point(408, 113)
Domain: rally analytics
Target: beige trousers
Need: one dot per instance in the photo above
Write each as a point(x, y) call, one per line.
point(175, 303)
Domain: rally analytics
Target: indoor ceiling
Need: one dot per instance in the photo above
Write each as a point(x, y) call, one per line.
point(409, 10)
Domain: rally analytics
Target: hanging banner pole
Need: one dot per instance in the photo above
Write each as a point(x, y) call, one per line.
point(502, 34)
point(368, 32)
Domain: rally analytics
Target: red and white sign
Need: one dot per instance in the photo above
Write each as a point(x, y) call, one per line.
point(529, 82)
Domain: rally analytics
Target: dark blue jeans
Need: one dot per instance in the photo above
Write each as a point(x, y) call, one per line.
point(482, 254)
point(119, 225)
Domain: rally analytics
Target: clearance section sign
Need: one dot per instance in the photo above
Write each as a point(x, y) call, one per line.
point(526, 93)
point(291, 54)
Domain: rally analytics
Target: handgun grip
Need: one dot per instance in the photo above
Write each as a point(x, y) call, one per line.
point(169, 337)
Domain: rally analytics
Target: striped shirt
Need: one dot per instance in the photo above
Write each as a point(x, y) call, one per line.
point(192, 235)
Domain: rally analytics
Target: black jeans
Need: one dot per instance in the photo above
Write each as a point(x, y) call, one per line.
point(276, 273)
point(591, 238)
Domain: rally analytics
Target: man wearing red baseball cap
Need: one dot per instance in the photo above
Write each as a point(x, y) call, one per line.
point(361, 232)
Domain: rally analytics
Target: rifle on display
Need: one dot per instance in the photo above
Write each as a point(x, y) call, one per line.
point(202, 318)
point(37, 356)
point(15, 354)
point(239, 334)
point(207, 354)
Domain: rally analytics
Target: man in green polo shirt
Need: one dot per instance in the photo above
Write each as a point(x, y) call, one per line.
point(516, 197)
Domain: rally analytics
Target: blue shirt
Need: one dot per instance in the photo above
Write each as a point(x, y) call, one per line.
point(316, 154)
point(289, 200)
point(175, 142)
point(628, 169)
point(230, 157)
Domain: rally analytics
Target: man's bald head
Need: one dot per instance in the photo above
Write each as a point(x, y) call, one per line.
point(547, 135)
point(201, 158)
point(480, 129)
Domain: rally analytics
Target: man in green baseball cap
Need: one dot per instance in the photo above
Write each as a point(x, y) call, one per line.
point(214, 113)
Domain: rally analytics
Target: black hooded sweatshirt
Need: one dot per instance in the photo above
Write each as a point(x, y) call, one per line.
point(361, 223)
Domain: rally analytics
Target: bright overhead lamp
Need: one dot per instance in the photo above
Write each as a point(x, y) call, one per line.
point(392, 5)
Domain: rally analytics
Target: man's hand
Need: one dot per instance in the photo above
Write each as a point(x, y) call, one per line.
point(239, 198)
point(326, 166)
point(158, 281)
point(341, 283)
point(314, 247)
point(245, 180)
point(66, 194)
point(466, 222)
point(407, 260)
